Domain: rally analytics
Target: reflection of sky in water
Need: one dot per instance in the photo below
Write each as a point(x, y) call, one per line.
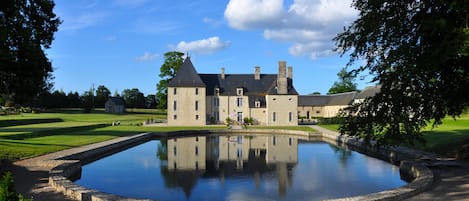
point(321, 171)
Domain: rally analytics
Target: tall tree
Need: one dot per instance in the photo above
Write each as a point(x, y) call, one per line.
point(27, 28)
point(172, 63)
point(102, 95)
point(345, 83)
point(418, 51)
point(133, 98)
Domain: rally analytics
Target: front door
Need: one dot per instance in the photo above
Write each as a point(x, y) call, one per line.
point(240, 117)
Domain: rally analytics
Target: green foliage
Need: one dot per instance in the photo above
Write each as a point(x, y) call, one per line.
point(102, 95)
point(418, 52)
point(172, 63)
point(330, 120)
point(87, 99)
point(7, 188)
point(229, 121)
point(27, 27)
point(345, 83)
point(133, 98)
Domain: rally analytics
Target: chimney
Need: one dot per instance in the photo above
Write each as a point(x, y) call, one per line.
point(257, 73)
point(290, 72)
point(281, 78)
point(222, 73)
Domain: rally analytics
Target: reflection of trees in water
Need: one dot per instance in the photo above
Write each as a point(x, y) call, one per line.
point(344, 154)
point(162, 149)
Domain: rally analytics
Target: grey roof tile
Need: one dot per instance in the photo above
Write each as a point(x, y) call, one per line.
point(186, 76)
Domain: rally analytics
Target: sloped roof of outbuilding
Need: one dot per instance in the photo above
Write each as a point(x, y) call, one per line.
point(327, 100)
point(369, 91)
point(117, 100)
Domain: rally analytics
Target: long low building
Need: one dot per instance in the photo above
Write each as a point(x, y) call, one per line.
point(315, 106)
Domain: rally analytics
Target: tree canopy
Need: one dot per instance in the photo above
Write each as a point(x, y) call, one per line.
point(172, 63)
point(102, 95)
point(27, 27)
point(345, 83)
point(418, 52)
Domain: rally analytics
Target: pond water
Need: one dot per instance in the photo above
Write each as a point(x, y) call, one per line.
point(239, 167)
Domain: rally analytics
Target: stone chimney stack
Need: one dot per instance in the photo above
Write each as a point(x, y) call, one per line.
point(222, 73)
point(290, 72)
point(257, 73)
point(282, 78)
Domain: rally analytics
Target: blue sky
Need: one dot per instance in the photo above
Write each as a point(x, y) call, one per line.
point(121, 43)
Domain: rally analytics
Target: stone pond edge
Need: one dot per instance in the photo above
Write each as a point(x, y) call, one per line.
point(69, 166)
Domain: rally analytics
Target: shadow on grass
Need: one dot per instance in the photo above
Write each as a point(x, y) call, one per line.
point(444, 142)
point(19, 122)
point(59, 131)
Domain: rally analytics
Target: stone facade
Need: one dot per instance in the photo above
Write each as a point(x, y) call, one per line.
point(200, 99)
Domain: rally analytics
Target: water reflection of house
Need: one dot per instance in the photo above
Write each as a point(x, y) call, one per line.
point(186, 153)
point(224, 157)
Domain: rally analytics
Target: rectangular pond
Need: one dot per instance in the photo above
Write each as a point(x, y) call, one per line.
point(239, 167)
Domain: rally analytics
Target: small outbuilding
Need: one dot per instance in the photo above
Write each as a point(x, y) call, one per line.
point(114, 105)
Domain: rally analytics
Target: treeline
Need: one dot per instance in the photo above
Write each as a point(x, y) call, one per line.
point(93, 98)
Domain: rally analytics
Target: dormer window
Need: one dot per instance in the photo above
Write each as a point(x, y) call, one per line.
point(217, 91)
point(239, 91)
point(257, 104)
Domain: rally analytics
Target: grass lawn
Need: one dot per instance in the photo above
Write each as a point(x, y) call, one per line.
point(444, 139)
point(29, 135)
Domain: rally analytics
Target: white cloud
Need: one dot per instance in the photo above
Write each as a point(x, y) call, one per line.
point(212, 22)
point(309, 25)
point(248, 14)
point(147, 56)
point(203, 46)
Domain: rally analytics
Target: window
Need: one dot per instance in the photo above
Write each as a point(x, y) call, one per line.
point(196, 105)
point(174, 105)
point(217, 91)
point(274, 116)
point(196, 139)
point(196, 91)
point(307, 115)
point(257, 104)
point(175, 116)
point(196, 117)
point(196, 150)
point(174, 91)
point(289, 141)
point(274, 140)
point(197, 165)
point(239, 101)
point(216, 101)
point(290, 116)
point(239, 91)
point(174, 151)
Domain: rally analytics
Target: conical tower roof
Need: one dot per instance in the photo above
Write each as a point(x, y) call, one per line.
point(186, 76)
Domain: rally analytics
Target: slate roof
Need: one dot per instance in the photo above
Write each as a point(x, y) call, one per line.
point(186, 76)
point(251, 87)
point(326, 100)
point(369, 91)
point(117, 100)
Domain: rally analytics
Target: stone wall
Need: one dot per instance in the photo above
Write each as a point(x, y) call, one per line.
point(68, 166)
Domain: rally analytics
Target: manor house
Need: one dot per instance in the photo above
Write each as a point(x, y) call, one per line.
point(200, 99)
